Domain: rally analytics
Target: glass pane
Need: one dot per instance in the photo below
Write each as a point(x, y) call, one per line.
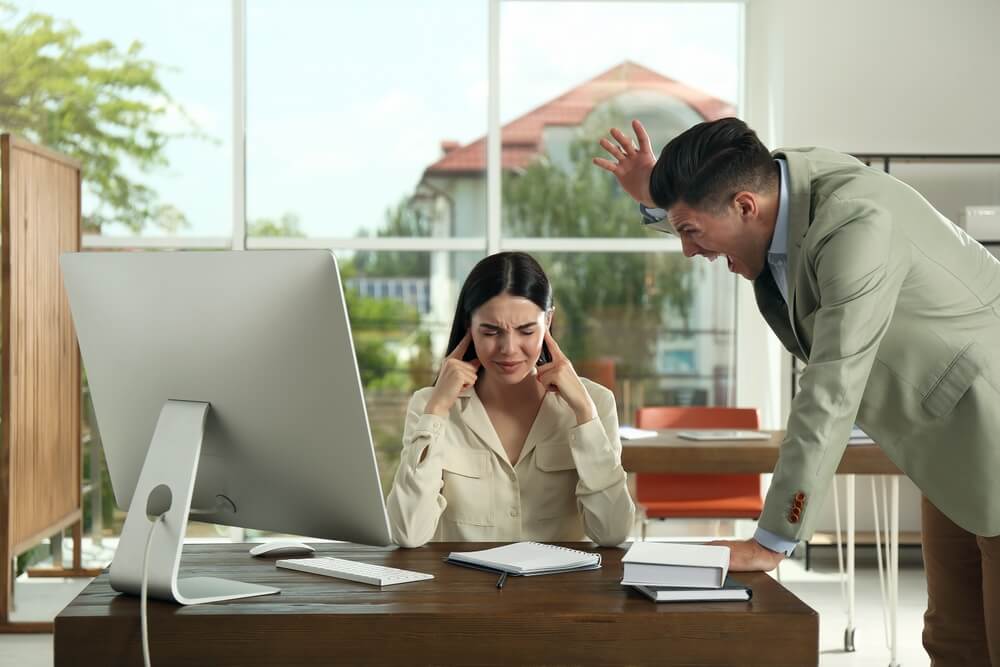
point(657, 329)
point(678, 66)
point(147, 111)
point(401, 306)
point(347, 135)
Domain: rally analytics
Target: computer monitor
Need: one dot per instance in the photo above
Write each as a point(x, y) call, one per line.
point(226, 382)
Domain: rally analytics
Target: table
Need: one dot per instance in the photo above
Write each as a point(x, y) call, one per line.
point(668, 453)
point(460, 617)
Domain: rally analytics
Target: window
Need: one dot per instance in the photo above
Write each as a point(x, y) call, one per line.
point(350, 104)
point(367, 126)
point(155, 143)
point(677, 66)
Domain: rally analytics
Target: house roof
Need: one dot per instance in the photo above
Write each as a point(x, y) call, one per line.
point(521, 139)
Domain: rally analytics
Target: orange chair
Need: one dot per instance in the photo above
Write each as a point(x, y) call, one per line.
point(663, 496)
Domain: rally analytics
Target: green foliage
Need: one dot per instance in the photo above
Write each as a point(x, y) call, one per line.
point(614, 302)
point(403, 219)
point(287, 226)
point(381, 327)
point(93, 102)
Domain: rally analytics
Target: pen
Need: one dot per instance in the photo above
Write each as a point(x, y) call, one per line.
point(502, 580)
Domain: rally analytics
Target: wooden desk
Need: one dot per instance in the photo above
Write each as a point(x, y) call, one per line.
point(460, 617)
point(668, 453)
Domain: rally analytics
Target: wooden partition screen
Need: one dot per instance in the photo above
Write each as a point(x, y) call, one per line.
point(40, 492)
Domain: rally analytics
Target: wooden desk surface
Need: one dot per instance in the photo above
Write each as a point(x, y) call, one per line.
point(460, 617)
point(668, 453)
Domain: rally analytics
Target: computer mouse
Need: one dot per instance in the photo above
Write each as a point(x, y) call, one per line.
point(282, 549)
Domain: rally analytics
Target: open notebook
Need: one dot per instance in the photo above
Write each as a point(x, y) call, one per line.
point(527, 558)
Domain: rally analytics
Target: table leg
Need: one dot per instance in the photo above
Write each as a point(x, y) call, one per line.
point(849, 632)
point(893, 569)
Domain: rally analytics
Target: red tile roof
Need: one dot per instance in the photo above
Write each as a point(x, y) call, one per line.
point(521, 138)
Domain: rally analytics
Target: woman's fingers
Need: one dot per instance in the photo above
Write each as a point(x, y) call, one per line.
point(548, 375)
point(553, 346)
point(462, 347)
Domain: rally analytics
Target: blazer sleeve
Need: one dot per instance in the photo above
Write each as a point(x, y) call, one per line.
point(415, 502)
point(858, 267)
point(602, 492)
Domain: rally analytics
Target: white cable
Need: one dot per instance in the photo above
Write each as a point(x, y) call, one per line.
point(145, 585)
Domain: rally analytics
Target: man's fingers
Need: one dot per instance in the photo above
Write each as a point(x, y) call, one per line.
point(462, 347)
point(625, 142)
point(613, 149)
point(607, 165)
point(640, 133)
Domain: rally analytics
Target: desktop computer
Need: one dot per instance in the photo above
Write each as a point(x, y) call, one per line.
point(225, 385)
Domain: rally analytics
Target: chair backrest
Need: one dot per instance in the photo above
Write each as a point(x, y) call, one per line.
point(679, 487)
point(697, 417)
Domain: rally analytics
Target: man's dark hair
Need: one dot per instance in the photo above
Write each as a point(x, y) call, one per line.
point(707, 164)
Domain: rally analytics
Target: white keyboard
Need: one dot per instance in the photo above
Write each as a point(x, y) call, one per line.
point(363, 573)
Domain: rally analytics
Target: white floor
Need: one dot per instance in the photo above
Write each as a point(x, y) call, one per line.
point(819, 588)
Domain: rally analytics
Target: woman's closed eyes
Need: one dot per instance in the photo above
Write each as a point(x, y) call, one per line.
point(493, 331)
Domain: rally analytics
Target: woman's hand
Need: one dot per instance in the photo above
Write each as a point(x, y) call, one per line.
point(455, 377)
point(558, 376)
point(631, 166)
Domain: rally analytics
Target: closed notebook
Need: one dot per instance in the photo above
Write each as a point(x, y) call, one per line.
point(731, 591)
point(704, 434)
point(528, 558)
point(674, 564)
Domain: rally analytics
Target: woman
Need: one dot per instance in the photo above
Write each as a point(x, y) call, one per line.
point(509, 444)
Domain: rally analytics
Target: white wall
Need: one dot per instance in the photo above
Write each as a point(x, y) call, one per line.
point(864, 76)
point(892, 75)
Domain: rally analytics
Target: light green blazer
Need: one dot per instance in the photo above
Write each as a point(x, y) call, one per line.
point(896, 313)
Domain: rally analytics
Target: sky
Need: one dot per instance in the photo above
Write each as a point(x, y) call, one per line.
point(348, 102)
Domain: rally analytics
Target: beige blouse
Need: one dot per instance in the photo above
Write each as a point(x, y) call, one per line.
point(568, 483)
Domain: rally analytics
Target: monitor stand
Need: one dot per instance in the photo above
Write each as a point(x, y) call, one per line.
point(171, 462)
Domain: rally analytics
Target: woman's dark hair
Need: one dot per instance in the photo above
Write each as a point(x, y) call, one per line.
point(514, 273)
point(707, 164)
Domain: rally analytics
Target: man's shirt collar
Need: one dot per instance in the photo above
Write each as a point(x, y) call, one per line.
point(779, 242)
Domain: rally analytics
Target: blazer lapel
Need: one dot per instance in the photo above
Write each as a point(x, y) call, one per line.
point(774, 310)
point(799, 215)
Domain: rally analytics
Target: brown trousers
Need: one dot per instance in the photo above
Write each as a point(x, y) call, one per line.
point(962, 622)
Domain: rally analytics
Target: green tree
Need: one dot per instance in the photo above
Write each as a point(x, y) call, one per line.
point(94, 102)
point(287, 226)
point(615, 300)
point(403, 219)
point(384, 330)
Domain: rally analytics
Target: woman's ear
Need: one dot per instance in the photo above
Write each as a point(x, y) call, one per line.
point(549, 315)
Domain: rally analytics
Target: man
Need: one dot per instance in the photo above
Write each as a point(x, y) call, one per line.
point(896, 313)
